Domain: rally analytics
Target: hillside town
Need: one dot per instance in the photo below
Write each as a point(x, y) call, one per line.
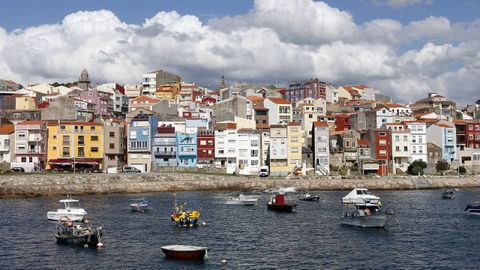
point(309, 127)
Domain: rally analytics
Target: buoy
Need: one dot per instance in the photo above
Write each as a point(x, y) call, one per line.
point(100, 245)
point(224, 261)
point(85, 246)
point(204, 223)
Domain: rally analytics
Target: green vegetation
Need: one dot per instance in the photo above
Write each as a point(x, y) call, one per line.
point(442, 166)
point(462, 170)
point(416, 167)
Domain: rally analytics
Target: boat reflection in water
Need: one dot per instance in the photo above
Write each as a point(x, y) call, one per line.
point(363, 209)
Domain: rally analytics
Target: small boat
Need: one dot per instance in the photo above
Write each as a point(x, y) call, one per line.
point(363, 209)
point(473, 209)
point(139, 205)
point(277, 203)
point(185, 218)
point(73, 234)
point(243, 200)
point(68, 208)
point(183, 252)
point(308, 197)
point(448, 194)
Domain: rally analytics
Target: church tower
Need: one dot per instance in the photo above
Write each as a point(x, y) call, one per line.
point(84, 81)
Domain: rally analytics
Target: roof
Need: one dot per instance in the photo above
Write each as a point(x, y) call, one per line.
point(255, 98)
point(320, 124)
point(263, 126)
point(443, 125)
point(6, 129)
point(279, 101)
point(74, 123)
point(32, 122)
point(261, 109)
point(362, 142)
point(393, 105)
point(145, 98)
point(294, 124)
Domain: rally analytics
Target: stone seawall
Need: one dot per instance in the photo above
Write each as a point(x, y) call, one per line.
point(34, 185)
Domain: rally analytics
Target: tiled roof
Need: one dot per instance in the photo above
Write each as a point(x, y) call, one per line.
point(320, 124)
point(74, 123)
point(6, 129)
point(362, 142)
point(443, 125)
point(294, 124)
point(32, 122)
point(263, 126)
point(255, 98)
point(279, 101)
point(145, 98)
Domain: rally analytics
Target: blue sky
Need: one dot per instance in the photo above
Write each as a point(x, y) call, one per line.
point(25, 13)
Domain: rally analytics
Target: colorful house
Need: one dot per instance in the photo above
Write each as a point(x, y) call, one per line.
point(294, 133)
point(141, 130)
point(30, 145)
point(279, 150)
point(205, 147)
point(443, 134)
point(164, 147)
point(186, 149)
point(76, 146)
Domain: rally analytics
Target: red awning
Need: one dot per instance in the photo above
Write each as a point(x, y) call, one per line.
point(64, 161)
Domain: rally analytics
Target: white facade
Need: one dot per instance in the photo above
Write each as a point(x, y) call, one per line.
point(278, 113)
point(368, 93)
point(401, 146)
point(321, 149)
point(331, 94)
point(226, 149)
point(149, 82)
point(5, 148)
point(418, 131)
point(248, 154)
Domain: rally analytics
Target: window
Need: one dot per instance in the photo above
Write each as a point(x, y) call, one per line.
point(112, 146)
point(66, 151)
point(24, 159)
point(62, 128)
point(405, 138)
point(254, 153)
point(397, 148)
point(112, 134)
point(203, 142)
point(414, 149)
point(382, 152)
point(295, 129)
point(81, 152)
point(382, 142)
point(133, 134)
point(470, 127)
point(382, 134)
point(22, 135)
point(94, 149)
point(81, 140)
point(66, 140)
point(145, 132)
point(254, 162)
point(397, 138)
point(93, 128)
point(405, 149)
point(294, 139)
point(294, 149)
point(54, 137)
point(420, 139)
point(254, 143)
point(414, 139)
point(54, 148)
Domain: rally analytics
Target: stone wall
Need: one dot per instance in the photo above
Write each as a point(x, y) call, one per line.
point(33, 185)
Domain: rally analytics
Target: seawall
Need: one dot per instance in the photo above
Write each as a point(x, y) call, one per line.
point(34, 185)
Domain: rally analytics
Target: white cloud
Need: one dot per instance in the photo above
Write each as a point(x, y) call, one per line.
point(401, 3)
point(287, 39)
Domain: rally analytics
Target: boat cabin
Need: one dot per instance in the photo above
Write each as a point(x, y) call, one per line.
point(70, 204)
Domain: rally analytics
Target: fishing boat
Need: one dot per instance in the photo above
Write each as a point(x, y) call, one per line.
point(474, 208)
point(183, 252)
point(363, 209)
point(74, 234)
point(277, 203)
point(308, 197)
point(448, 194)
point(68, 208)
point(243, 200)
point(185, 218)
point(139, 205)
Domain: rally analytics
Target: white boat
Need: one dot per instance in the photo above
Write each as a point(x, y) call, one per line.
point(139, 205)
point(243, 200)
point(363, 209)
point(69, 208)
point(361, 196)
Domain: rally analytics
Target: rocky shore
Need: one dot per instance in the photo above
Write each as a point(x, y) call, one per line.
point(34, 185)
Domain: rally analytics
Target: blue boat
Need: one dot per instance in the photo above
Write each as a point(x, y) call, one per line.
point(473, 209)
point(139, 205)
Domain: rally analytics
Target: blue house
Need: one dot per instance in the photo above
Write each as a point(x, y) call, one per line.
point(444, 135)
point(141, 131)
point(186, 149)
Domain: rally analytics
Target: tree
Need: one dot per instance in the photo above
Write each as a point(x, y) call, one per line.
point(417, 163)
point(442, 166)
point(462, 170)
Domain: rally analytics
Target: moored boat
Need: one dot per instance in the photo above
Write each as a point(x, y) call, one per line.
point(448, 194)
point(183, 252)
point(363, 209)
point(139, 205)
point(74, 234)
point(69, 208)
point(278, 203)
point(185, 218)
point(473, 209)
point(243, 200)
point(308, 197)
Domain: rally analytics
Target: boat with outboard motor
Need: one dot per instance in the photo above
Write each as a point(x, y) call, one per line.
point(448, 194)
point(69, 208)
point(363, 209)
point(185, 218)
point(473, 209)
point(139, 205)
point(80, 235)
point(308, 197)
point(243, 200)
point(183, 252)
point(278, 203)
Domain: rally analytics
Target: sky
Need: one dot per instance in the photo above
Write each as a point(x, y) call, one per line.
point(404, 48)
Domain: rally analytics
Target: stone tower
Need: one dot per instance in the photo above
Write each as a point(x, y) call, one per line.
point(84, 81)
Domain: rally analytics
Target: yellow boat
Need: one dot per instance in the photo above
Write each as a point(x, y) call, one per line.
point(185, 218)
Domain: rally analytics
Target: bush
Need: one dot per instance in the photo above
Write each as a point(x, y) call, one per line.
point(462, 170)
point(417, 163)
point(442, 166)
point(416, 170)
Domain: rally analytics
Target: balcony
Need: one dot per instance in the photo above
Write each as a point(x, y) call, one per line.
point(34, 138)
point(165, 153)
point(187, 152)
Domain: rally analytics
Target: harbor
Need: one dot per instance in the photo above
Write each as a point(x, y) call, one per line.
point(426, 232)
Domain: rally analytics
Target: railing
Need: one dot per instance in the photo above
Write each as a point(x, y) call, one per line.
point(165, 153)
point(187, 152)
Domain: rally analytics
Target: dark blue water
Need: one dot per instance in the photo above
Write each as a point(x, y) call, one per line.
point(430, 233)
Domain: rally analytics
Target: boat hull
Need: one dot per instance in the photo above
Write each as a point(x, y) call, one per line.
point(195, 254)
point(281, 207)
point(73, 216)
point(90, 239)
point(373, 221)
point(309, 199)
point(138, 208)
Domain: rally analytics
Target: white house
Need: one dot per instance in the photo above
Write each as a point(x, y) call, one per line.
point(279, 111)
point(321, 151)
point(248, 154)
point(226, 146)
point(418, 131)
point(401, 145)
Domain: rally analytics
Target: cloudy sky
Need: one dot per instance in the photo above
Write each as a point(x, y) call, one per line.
point(404, 48)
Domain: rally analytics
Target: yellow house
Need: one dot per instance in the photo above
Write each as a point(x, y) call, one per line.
point(294, 134)
point(75, 145)
point(168, 92)
point(25, 103)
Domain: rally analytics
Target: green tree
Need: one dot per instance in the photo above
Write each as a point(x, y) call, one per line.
point(417, 163)
point(442, 166)
point(462, 170)
point(417, 170)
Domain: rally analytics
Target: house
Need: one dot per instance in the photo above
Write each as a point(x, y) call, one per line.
point(279, 111)
point(264, 132)
point(443, 134)
point(141, 131)
point(299, 90)
point(435, 103)
point(248, 154)
point(115, 146)
point(143, 102)
point(401, 148)
point(226, 146)
point(68, 109)
point(278, 151)
point(380, 142)
point(101, 100)
point(205, 148)
point(75, 146)
point(30, 145)
point(418, 131)
point(6, 140)
point(377, 117)
point(152, 80)
point(235, 106)
point(294, 154)
point(321, 148)
point(164, 147)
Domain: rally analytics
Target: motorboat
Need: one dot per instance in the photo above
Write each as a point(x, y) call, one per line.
point(474, 208)
point(448, 194)
point(139, 205)
point(243, 200)
point(278, 203)
point(185, 218)
point(363, 209)
point(79, 235)
point(308, 197)
point(184, 252)
point(69, 208)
